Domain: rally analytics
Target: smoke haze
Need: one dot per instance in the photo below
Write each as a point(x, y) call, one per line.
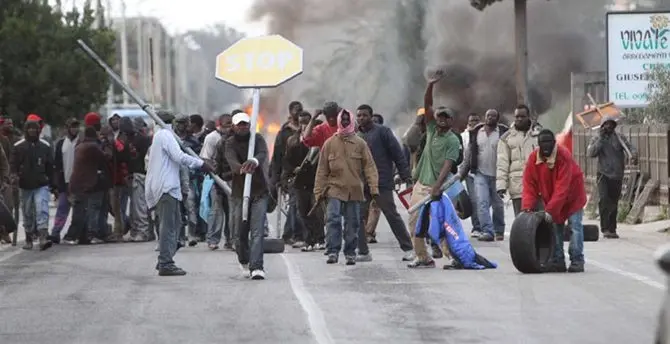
point(377, 52)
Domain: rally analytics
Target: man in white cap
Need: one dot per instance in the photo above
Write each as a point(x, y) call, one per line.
point(163, 192)
point(249, 238)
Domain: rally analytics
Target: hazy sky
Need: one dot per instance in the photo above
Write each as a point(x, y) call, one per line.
point(182, 15)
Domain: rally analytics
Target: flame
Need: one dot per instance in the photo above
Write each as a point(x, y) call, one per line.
point(270, 131)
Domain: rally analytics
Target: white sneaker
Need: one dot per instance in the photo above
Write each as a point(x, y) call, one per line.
point(258, 275)
point(245, 270)
point(409, 256)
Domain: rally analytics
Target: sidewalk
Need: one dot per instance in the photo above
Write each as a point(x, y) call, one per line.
point(649, 227)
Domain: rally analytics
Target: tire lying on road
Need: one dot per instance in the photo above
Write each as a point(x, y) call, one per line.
point(531, 243)
point(272, 245)
point(591, 233)
point(463, 205)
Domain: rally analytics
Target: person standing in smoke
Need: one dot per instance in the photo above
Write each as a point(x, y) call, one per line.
point(249, 240)
point(316, 135)
point(554, 177)
point(439, 159)
point(387, 156)
point(191, 200)
point(164, 193)
point(345, 162)
point(473, 121)
point(223, 171)
point(294, 232)
point(514, 148)
point(371, 218)
point(299, 173)
point(63, 165)
point(33, 164)
point(610, 149)
point(480, 158)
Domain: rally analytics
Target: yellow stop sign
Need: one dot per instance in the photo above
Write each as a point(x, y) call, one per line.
point(266, 61)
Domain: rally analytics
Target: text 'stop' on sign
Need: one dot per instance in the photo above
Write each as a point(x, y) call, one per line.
point(259, 62)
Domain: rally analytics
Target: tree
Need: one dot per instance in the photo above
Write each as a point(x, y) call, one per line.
point(42, 70)
point(658, 89)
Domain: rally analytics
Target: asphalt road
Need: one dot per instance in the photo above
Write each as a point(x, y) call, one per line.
point(111, 294)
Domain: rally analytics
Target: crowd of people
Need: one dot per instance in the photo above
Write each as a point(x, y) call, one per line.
point(338, 168)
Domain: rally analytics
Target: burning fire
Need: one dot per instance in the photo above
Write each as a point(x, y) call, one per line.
point(270, 131)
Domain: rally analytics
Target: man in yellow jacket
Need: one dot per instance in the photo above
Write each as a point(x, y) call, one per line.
point(514, 148)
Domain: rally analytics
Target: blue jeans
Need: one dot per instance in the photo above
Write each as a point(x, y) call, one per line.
point(576, 247)
point(487, 197)
point(35, 206)
point(249, 235)
point(216, 217)
point(168, 211)
point(351, 210)
point(293, 226)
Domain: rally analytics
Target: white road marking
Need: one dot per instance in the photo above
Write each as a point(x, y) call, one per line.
point(315, 318)
point(637, 277)
point(10, 254)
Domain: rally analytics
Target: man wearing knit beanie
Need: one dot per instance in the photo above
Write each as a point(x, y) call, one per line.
point(93, 119)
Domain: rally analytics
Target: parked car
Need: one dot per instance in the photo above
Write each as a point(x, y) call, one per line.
point(663, 332)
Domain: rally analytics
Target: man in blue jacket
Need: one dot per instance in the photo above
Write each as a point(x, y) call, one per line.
point(386, 152)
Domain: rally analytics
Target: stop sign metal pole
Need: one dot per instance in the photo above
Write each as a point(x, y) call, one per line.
point(146, 107)
point(246, 196)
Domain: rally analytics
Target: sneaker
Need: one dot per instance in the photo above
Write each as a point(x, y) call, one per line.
point(308, 248)
point(69, 242)
point(487, 237)
point(245, 270)
point(320, 247)
point(350, 260)
point(610, 235)
point(213, 247)
point(258, 274)
point(96, 241)
point(556, 267)
point(228, 246)
point(409, 256)
point(192, 243)
point(421, 264)
point(475, 234)
point(54, 239)
point(364, 258)
point(28, 245)
point(499, 237)
point(437, 252)
point(372, 240)
point(332, 259)
point(299, 244)
point(576, 267)
point(171, 271)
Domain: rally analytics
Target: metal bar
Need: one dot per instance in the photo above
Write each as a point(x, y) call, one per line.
point(146, 107)
point(256, 99)
point(453, 179)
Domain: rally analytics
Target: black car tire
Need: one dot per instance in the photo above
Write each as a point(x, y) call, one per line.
point(463, 205)
point(531, 243)
point(271, 245)
point(591, 233)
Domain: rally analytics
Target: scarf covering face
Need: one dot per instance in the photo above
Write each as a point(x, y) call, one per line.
point(348, 130)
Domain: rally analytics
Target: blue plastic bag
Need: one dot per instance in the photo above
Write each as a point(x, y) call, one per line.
point(205, 201)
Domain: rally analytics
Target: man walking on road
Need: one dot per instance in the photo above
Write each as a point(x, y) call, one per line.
point(345, 162)
point(387, 154)
point(611, 149)
point(33, 164)
point(514, 148)
point(63, 164)
point(163, 192)
point(554, 177)
point(439, 158)
point(249, 239)
point(480, 158)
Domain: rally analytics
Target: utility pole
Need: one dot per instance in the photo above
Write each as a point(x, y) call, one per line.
point(124, 51)
point(521, 42)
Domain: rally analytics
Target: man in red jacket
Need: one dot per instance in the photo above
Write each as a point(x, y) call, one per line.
point(552, 176)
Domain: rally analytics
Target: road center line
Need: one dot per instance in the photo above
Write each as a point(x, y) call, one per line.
point(315, 318)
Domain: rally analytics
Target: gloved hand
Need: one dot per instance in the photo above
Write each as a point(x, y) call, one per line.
point(547, 217)
point(501, 193)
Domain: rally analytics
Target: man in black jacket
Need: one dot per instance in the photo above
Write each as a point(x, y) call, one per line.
point(293, 229)
point(33, 164)
point(63, 164)
point(387, 153)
